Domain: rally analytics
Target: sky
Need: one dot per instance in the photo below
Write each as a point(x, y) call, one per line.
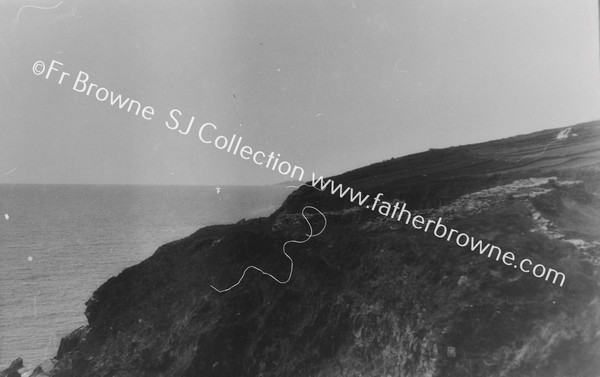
point(329, 85)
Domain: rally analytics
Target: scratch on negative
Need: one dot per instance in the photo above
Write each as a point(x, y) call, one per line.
point(36, 7)
point(539, 154)
point(309, 236)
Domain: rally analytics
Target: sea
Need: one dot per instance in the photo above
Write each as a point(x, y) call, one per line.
point(58, 243)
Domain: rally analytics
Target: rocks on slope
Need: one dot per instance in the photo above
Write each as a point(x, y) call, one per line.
point(374, 300)
point(13, 369)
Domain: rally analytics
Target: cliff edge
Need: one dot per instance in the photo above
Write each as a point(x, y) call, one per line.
point(372, 296)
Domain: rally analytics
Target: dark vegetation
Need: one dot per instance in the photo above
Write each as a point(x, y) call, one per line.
point(371, 298)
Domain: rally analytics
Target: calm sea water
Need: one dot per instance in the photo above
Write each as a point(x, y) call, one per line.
point(58, 243)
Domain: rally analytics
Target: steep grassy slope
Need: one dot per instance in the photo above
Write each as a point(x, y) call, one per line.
point(438, 176)
point(371, 296)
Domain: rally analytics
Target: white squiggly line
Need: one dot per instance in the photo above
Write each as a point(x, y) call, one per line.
point(311, 235)
point(7, 173)
point(562, 135)
point(541, 153)
point(36, 7)
point(74, 13)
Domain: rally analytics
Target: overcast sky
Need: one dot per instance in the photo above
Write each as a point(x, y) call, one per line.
point(330, 85)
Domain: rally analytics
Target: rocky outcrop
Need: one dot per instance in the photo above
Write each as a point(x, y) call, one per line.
point(42, 370)
point(69, 342)
point(13, 369)
point(371, 296)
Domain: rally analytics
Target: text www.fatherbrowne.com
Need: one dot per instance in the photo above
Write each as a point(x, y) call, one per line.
point(82, 84)
point(400, 213)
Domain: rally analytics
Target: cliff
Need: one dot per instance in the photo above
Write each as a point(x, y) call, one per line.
point(372, 296)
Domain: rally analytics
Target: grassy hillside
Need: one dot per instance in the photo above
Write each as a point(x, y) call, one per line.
point(372, 296)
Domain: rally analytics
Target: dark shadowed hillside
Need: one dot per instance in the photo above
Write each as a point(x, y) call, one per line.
point(371, 296)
